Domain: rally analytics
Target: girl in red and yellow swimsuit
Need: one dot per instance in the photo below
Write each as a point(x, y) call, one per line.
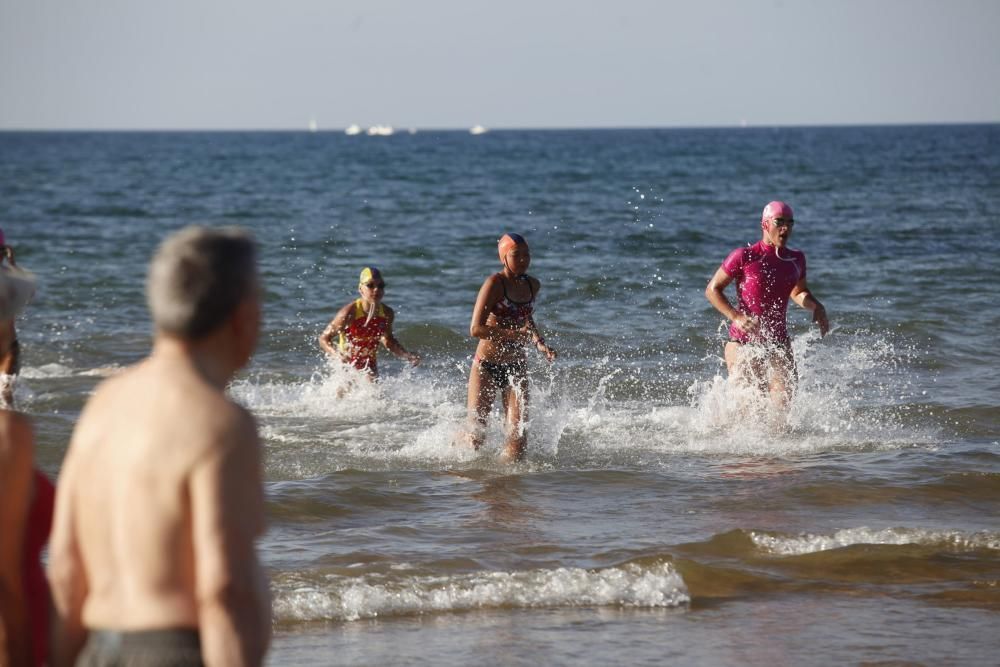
point(503, 322)
point(361, 325)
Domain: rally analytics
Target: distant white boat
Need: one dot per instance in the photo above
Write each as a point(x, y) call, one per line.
point(380, 131)
point(352, 130)
point(478, 129)
point(413, 130)
point(313, 125)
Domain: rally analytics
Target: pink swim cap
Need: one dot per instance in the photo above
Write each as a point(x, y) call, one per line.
point(776, 209)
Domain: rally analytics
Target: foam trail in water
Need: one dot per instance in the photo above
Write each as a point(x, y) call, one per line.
point(845, 397)
point(845, 400)
point(414, 415)
point(352, 598)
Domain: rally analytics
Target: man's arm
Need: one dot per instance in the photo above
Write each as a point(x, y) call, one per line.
point(227, 514)
point(67, 574)
point(15, 493)
point(715, 294)
point(804, 298)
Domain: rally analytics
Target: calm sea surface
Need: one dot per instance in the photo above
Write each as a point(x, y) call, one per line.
point(651, 522)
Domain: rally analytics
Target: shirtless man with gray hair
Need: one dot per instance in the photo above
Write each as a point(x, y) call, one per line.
point(160, 498)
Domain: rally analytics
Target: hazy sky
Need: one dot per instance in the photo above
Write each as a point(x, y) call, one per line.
point(509, 63)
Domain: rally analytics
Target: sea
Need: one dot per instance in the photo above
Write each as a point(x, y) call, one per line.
point(661, 516)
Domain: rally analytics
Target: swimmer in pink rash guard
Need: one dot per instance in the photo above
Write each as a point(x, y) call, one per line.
point(767, 274)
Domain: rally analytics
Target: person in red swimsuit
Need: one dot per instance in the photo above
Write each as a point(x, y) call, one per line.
point(36, 585)
point(26, 504)
point(16, 462)
point(503, 321)
point(361, 325)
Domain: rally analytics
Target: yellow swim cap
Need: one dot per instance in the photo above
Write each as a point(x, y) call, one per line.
point(368, 274)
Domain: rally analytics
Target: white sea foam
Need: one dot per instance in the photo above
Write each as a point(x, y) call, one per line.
point(47, 371)
point(352, 598)
point(419, 415)
point(416, 414)
point(55, 371)
point(807, 543)
point(840, 381)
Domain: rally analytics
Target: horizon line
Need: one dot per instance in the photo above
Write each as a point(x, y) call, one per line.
point(502, 128)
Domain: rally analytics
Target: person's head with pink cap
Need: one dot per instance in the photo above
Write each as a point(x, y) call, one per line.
point(776, 223)
point(777, 210)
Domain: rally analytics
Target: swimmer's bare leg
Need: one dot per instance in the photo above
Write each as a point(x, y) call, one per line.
point(783, 378)
point(745, 370)
point(515, 403)
point(482, 393)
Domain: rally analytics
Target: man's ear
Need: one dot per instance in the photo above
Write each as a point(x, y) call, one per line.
point(245, 327)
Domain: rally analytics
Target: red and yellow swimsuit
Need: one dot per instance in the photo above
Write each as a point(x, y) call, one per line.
point(360, 340)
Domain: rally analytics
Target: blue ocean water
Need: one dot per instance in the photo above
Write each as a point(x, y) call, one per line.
point(650, 518)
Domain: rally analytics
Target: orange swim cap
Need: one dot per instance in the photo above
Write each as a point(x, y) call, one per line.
point(507, 243)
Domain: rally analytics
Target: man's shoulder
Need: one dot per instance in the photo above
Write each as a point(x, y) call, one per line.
point(737, 256)
point(180, 398)
point(795, 255)
point(121, 383)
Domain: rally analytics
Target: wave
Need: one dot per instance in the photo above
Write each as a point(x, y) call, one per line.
point(47, 371)
point(349, 598)
point(807, 543)
point(944, 567)
point(56, 370)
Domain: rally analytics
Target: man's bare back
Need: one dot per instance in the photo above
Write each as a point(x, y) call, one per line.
point(181, 442)
point(160, 500)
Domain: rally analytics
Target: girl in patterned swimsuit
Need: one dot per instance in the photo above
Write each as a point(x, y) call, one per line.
point(361, 325)
point(503, 322)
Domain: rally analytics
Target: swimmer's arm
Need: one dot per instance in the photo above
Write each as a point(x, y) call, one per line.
point(67, 574)
point(714, 292)
point(804, 298)
point(392, 343)
point(15, 485)
point(539, 341)
point(489, 294)
point(333, 329)
point(227, 514)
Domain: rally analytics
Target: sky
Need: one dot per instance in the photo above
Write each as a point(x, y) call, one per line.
point(276, 64)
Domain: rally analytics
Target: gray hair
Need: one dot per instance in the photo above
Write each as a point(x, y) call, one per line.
point(198, 277)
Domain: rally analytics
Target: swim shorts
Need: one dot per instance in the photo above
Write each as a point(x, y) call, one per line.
point(145, 648)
